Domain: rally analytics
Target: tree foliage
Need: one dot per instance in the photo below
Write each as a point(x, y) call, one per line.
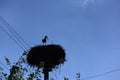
point(21, 71)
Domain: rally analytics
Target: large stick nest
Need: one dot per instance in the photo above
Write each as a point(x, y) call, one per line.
point(51, 55)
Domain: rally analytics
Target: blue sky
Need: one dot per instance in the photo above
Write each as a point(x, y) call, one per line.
point(89, 30)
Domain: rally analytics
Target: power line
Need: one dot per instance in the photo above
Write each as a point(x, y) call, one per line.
point(102, 74)
point(14, 33)
point(18, 40)
point(12, 38)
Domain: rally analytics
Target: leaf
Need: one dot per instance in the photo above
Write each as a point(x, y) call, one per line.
point(7, 61)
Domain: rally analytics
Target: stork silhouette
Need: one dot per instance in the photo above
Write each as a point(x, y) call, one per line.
point(44, 40)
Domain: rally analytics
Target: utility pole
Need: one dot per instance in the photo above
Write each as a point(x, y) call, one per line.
point(46, 72)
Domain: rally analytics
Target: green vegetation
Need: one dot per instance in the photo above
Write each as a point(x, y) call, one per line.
point(21, 71)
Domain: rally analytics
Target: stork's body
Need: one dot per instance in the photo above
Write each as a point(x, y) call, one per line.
point(44, 40)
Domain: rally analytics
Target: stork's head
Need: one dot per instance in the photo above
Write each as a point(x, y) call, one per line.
point(46, 37)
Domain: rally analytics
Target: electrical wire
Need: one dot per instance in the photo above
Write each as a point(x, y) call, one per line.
point(102, 74)
point(14, 36)
point(11, 38)
point(14, 33)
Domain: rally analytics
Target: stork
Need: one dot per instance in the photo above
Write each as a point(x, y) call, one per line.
point(44, 40)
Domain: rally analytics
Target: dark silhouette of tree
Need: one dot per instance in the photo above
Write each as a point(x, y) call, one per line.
point(19, 70)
